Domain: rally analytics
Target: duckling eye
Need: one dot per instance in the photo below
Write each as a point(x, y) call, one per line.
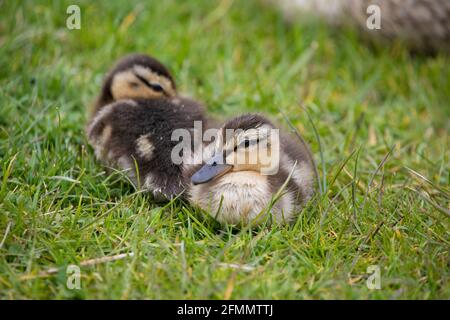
point(134, 84)
point(246, 143)
point(156, 87)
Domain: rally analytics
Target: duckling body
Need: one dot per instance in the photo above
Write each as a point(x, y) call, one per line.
point(133, 121)
point(138, 133)
point(238, 192)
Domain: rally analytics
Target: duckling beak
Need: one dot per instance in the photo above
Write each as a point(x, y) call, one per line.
point(214, 168)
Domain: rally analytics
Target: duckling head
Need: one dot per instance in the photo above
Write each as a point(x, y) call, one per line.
point(248, 143)
point(240, 175)
point(137, 76)
point(249, 163)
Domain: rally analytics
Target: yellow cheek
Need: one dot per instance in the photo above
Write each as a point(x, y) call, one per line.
point(244, 160)
point(124, 91)
point(121, 88)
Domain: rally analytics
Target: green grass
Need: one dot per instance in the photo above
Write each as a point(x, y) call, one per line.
point(59, 207)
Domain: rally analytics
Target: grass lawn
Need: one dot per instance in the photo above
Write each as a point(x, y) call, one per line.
point(383, 155)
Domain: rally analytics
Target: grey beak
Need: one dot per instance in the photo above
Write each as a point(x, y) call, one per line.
point(215, 167)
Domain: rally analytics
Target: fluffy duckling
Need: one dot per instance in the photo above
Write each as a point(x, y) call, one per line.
point(136, 76)
point(136, 135)
point(139, 76)
point(133, 120)
point(247, 166)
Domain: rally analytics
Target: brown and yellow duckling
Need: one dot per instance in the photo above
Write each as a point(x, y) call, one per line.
point(248, 166)
point(133, 121)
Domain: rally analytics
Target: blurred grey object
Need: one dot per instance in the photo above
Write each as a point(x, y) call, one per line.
point(424, 25)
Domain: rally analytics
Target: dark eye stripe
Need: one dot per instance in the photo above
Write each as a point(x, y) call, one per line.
point(246, 143)
point(155, 87)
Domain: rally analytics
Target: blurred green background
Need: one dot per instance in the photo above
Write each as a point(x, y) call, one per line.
point(365, 102)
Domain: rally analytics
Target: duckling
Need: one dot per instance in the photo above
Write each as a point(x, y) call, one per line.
point(133, 121)
point(248, 165)
point(136, 135)
point(136, 76)
point(140, 76)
